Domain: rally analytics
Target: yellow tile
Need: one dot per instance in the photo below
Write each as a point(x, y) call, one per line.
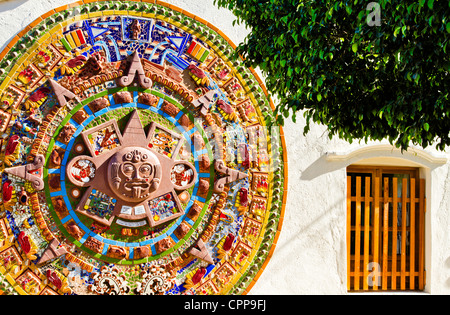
point(160, 17)
point(34, 47)
point(175, 23)
point(44, 38)
point(95, 14)
point(210, 44)
point(20, 290)
point(10, 279)
point(15, 69)
point(108, 12)
point(148, 15)
point(135, 13)
point(121, 12)
point(56, 29)
point(23, 59)
point(5, 83)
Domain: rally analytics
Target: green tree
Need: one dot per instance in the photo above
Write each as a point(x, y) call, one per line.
point(362, 81)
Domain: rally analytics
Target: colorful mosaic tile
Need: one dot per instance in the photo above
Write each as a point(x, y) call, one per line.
point(137, 157)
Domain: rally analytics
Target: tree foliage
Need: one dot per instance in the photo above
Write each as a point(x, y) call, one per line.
point(361, 80)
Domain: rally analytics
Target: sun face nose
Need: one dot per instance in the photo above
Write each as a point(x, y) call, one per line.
point(137, 175)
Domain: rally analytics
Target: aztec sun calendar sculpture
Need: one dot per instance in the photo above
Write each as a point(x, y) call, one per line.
point(137, 156)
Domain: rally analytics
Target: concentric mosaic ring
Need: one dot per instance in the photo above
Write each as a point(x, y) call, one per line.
point(138, 157)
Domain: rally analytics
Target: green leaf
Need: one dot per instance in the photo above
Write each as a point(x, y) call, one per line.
point(355, 48)
point(319, 97)
point(290, 70)
point(321, 54)
point(426, 126)
point(430, 4)
point(361, 14)
point(448, 27)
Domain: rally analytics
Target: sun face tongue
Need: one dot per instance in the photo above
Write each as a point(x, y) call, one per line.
point(137, 190)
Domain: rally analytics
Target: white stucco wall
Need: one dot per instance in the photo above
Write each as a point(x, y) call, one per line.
point(310, 257)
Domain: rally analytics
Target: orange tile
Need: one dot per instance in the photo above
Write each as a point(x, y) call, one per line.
point(277, 235)
point(199, 19)
point(13, 42)
point(256, 278)
point(285, 196)
point(272, 105)
point(4, 52)
point(48, 14)
point(76, 4)
point(224, 37)
point(61, 8)
point(24, 31)
point(189, 14)
point(164, 4)
point(175, 8)
point(35, 22)
point(214, 28)
point(280, 225)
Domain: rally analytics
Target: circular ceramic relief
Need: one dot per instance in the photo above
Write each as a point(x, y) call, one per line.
point(83, 171)
point(137, 156)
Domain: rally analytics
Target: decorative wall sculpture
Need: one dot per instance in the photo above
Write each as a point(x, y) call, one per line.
point(137, 157)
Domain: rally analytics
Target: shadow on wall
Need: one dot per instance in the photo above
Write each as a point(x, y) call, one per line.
point(6, 5)
point(321, 167)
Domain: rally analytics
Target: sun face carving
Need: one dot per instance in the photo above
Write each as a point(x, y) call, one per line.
point(134, 174)
point(131, 171)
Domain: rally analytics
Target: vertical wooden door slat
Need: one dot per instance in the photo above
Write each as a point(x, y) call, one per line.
point(349, 228)
point(394, 232)
point(376, 229)
point(403, 252)
point(385, 232)
point(412, 235)
point(422, 235)
point(366, 233)
point(357, 234)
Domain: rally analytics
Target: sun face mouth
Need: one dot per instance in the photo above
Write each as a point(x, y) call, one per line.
point(137, 188)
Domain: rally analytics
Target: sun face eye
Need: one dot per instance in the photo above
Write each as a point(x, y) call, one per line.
point(128, 169)
point(145, 170)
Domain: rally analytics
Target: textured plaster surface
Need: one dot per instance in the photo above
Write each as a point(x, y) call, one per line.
point(310, 257)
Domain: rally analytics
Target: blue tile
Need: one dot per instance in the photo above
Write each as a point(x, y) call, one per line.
point(74, 123)
point(66, 219)
point(105, 249)
point(84, 238)
point(56, 194)
point(61, 145)
point(139, 105)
